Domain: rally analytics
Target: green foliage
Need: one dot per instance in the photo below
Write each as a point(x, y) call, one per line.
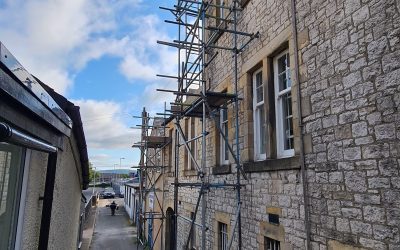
point(124, 176)
point(92, 173)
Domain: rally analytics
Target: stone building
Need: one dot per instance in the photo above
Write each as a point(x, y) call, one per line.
point(319, 131)
point(43, 162)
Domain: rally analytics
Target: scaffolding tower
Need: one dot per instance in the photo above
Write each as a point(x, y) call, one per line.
point(199, 25)
point(150, 171)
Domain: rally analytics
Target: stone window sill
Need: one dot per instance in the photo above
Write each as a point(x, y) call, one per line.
point(190, 172)
point(223, 169)
point(272, 165)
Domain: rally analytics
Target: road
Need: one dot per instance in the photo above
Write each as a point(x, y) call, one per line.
point(113, 232)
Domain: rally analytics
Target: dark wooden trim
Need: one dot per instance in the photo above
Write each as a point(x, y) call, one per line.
point(272, 165)
point(21, 118)
point(48, 201)
point(8, 86)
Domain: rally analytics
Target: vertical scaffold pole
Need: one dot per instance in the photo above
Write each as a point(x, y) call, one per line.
point(176, 151)
point(203, 149)
point(237, 125)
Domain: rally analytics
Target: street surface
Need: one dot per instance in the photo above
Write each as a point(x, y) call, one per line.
point(113, 232)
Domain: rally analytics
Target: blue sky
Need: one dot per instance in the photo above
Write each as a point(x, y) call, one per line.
point(103, 56)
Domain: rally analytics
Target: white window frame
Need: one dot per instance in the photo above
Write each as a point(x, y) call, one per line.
point(24, 189)
point(280, 132)
point(223, 125)
point(258, 156)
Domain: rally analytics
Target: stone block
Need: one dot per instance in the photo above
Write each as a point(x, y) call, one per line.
point(395, 182)
point(349, 51)
point(370, 243)
point(385, 131)
point(375, 151)
point(329, 121)
point(376, 48)
point(351, 5)
point(343, 132)
point(357, 64)
point(371, 71)
point(388, 167)
point(374, 214)
point(337, 105)
point(362, 89)
point(367, 199)
point(361, 15)
point(352, 213)
point(351, 79)
point(374, 118)
point(353, 153)
point(388, 80)
point(386, 233)
point(363, 140)
point(374, 183)
point(391, 61)
point(359, 129)
point(313, 126)
point(335, 151)
point(393, 216)
point(385, 103)
point(348, 117)
point(358, 227)
point(335, 177)
point(355, 181)
point(392, 197)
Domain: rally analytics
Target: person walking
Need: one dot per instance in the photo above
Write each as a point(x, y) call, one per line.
point(113, 206)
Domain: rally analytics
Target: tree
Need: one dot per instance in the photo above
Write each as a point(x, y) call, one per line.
point(92, 173)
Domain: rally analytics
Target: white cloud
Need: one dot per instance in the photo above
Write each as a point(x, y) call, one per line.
point(104, 128)
point(55, 39)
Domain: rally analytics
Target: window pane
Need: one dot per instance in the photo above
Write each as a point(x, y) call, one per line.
point(259, 88)
point(10, 186)
point(282, 64)
point(284, 72)
point(222, 236)
point(262, 130)
point(226, 153)
point(287, 120)
point(259, 79)
point(225, 129)
point(271, 244)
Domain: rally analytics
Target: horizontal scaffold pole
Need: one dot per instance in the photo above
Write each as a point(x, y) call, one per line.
point(179, 78)
point(230, 31)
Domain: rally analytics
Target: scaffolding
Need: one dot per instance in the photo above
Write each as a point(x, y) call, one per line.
point(150, 171)
point(199, 24)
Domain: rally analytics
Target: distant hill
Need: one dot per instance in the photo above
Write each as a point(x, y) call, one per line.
point(117, 171)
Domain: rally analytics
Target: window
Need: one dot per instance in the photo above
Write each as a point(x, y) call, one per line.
point(219, 11)
point(169, 150)
point(193, 143)
point(224, 150)
point(192, 243)
point(271, 244)
point(186, 160)
point(222, 236)
point(283, 105)
point(11, 176)
point(259, 116)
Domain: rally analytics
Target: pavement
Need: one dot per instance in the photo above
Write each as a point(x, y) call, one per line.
point(113, 232)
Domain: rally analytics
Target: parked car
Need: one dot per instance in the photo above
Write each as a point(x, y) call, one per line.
point(108, 194)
